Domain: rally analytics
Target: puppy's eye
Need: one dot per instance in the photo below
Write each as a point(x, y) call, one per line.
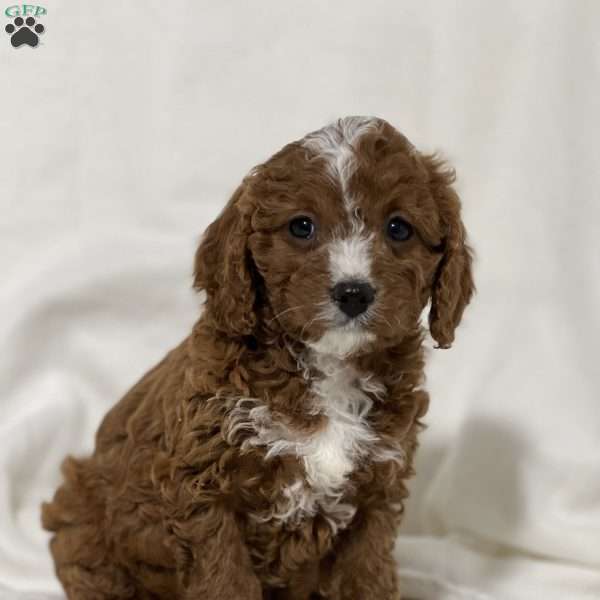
point(302, 227)
point(399, 230)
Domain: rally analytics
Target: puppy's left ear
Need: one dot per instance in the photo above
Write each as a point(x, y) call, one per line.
point(223, 269)
point(453, 284)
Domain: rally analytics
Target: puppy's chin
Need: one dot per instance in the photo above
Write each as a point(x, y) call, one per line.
point(342, 342)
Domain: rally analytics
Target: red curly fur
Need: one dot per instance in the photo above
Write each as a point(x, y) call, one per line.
point(184, 494)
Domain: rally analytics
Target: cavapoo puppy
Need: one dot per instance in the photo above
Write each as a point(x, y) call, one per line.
point(266, 456)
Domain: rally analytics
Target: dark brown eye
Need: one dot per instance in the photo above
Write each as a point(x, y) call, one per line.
point(399, 230)
point(302, 227)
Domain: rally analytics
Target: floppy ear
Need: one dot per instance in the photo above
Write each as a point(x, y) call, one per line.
point(453, 284)
point(222, 269)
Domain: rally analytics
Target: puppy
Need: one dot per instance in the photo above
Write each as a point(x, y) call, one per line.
point(266, 456)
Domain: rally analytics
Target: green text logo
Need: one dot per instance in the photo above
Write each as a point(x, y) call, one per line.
point(24, 10)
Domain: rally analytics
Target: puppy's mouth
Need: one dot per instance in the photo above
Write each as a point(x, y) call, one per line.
point(344, 337)
point(362, 321)
point(342, 342)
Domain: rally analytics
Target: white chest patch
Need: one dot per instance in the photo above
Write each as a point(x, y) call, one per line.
point(331, 454)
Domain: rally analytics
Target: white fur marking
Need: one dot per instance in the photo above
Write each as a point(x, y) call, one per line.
point(342, 342)
point(331, 454)
point(350, 259)
point(336, 143)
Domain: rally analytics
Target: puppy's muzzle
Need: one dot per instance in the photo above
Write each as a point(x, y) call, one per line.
point(353, 297)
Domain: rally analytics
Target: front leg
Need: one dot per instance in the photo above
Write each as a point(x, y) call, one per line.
point(363, 564)
point(213, 561)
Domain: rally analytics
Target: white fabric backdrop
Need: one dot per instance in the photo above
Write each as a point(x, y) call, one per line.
point(125, 131)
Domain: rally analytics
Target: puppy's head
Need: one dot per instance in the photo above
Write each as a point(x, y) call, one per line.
point(341, 238)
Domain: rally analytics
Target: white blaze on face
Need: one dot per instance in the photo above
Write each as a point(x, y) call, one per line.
point(350, 257)
point(336, 143)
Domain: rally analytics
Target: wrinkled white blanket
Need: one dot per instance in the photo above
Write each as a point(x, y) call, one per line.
point(125, 130)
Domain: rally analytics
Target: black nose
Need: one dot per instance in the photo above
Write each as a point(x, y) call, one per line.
point(353, 297)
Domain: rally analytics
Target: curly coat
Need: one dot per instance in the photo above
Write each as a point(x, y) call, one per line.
point(265, 457)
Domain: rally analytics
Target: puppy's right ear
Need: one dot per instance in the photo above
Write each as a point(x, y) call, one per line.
point(222, 269)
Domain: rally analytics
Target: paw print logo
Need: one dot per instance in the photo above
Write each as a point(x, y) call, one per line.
point(24, 32)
